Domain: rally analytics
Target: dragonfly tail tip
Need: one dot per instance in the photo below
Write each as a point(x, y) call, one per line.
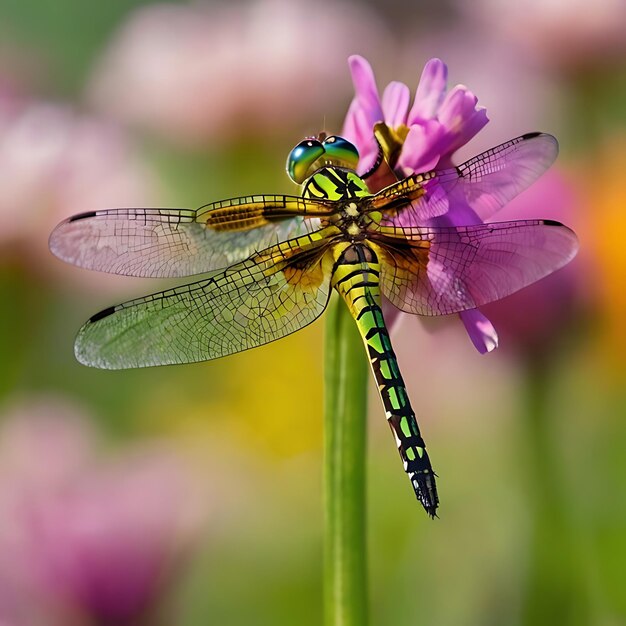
point(426, 491)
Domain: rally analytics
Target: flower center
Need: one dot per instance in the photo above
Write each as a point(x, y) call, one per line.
point(391, 141)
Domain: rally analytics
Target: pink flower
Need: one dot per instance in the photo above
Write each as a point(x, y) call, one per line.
point(533, 321)
point(429, 131)
point(437, 124)
point(547, 30)
point(199, 73)
point(54, 162)
point(86, 541)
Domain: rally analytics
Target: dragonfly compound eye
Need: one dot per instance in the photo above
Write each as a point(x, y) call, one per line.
point(341, 153)
point(302, 158)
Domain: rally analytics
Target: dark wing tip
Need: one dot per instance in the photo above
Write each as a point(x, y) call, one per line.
point(102, 314)
point(80, 216)
point(567, 232)
point(538, 133)
point(532, 135)
point(535, 134)
point(545, 139)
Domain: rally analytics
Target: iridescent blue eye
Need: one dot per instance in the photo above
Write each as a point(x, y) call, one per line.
point(302, 157)
point(311, 154)
point(341, 152)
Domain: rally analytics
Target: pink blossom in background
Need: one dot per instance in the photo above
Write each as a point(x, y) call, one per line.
point(87, 540)
point(202, 72)
point(566, 34)
point(45, 442)
point(533, 321)
point(55, 162)
point(435, 125)
point(42, 445)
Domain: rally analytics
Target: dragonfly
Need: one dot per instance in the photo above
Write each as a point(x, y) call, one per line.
point(272, 262)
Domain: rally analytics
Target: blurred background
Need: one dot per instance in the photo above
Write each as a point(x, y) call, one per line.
point(192, 495)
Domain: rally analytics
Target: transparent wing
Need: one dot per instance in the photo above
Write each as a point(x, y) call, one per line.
point(265, 297)
point(437, 271)
point(419, 197)
point(485, 183)
point(180, 242)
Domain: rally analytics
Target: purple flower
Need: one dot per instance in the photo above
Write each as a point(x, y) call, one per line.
point(201, 73)
point(544, 31)
point(55, 161)
point(428, 133)
point(87, 541)
point(431, 130)
point(534, 322)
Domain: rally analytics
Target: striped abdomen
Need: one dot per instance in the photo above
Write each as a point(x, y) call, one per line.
point(356, 278)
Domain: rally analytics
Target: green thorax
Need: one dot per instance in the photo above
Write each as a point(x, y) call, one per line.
point(335, 183)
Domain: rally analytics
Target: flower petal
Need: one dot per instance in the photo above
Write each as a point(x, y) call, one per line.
point(422, 147)
point(430, 91)
point(459, 212)
point(480, 330)
point(396, 104)
point(356, 129)
point(461, 116)
point(365, 89)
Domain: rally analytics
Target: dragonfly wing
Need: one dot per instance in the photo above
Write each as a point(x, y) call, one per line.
point(492, 179)
point(170, 243)
point(485, 183)
point(263, 298)
point(437, 271)
point(413, 200)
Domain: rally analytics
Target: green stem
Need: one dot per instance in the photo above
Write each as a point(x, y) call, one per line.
point(345, 576)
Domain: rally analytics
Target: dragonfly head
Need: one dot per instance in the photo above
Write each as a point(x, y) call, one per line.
point(314, 153)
